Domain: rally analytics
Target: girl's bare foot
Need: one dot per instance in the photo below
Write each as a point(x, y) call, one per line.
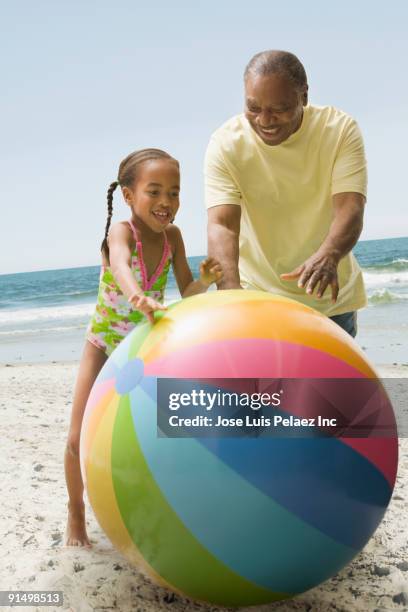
point(76, 530)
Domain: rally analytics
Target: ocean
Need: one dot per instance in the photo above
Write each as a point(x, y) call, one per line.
point(43, 315)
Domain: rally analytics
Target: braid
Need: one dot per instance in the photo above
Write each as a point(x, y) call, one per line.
point(104, 245)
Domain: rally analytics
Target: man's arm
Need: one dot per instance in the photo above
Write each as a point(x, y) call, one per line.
point(343, 234)
point(223, 242)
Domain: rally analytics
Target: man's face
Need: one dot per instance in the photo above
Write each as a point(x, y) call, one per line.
point(273, 107)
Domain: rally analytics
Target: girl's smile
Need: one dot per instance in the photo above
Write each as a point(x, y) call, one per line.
point(154, 197)
point(162, 216)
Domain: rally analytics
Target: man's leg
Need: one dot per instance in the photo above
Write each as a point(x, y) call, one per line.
point(347, 321)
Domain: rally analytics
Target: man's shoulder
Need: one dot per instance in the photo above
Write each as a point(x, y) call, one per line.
point(231, 138)
point(232, 129)
point(329, 117)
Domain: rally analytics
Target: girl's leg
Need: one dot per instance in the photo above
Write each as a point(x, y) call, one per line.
point(91, 364)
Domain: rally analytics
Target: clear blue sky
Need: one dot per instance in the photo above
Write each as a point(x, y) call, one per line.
point(85, 83)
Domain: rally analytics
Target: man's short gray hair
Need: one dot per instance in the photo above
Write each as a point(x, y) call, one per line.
point(277, 62)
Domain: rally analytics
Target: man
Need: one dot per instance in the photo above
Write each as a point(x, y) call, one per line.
point(285, 190)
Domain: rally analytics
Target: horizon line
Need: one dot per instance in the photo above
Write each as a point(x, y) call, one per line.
point(189, 256)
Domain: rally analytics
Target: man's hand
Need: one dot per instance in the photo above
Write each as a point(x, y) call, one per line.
point(210, 271)
point(146, 305)
point(320, 268)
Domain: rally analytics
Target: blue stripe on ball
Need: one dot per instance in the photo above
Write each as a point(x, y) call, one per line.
point(235, 521)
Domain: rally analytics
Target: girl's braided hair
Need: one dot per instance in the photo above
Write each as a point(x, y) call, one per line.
point(126, 177)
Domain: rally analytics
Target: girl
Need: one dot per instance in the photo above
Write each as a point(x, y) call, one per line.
point(136, 257)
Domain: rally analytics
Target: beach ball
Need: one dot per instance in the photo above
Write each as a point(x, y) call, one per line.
point(250, 515)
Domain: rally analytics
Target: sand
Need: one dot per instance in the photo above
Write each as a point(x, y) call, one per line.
point(35, 403)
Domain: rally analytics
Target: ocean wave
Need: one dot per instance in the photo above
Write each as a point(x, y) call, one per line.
point(382, 289)
point(395, 265)
point(57, 313)
point(46, 314)
point(384, 296)
point(41, 330)
point(383, 278)
point(59, 294)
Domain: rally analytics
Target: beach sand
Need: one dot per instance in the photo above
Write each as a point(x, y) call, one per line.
point(35, 404)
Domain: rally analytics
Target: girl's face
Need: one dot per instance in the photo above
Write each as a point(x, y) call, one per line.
point(154, 197)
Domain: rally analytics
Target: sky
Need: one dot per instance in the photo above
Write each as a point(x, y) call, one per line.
point(84, 83)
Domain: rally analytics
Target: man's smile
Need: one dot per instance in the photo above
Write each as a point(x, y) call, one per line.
point(271, 130)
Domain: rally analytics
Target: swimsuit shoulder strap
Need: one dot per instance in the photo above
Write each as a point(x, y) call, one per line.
point(167, 252)
point(135, 231)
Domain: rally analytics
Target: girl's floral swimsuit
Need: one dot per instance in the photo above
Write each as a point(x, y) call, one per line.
point(114, 317)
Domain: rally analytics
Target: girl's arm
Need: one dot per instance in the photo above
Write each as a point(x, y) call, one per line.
point(210, 269)
point(120, 241)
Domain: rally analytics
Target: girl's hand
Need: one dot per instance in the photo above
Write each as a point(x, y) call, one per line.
point(146, 305)
point(210, 271)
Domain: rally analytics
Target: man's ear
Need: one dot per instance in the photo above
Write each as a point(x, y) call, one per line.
point(305, 96)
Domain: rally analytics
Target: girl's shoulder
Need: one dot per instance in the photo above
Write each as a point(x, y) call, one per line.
point(174, 237)
point(121, 228)
point(173, 233)
point(121, 232)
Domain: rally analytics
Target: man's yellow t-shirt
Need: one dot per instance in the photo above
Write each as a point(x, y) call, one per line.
point(285, 193)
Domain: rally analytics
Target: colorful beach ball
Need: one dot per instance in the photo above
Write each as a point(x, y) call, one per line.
point(246, 518)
